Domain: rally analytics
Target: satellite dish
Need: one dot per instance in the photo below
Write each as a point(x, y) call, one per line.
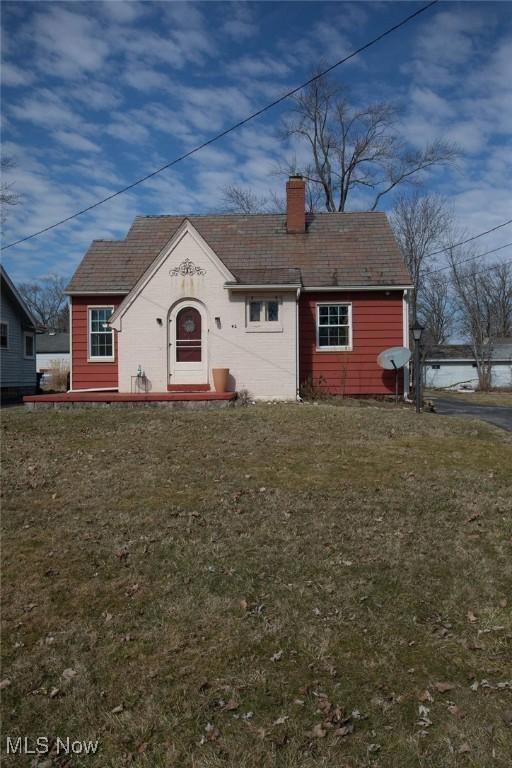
point(393, 358)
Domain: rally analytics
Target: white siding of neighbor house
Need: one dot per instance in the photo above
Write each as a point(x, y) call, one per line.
point(262, 362)
point(45, 360)
point(452, 372)
point(16, 369)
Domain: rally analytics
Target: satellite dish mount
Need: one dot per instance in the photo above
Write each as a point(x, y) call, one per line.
point(394, 359)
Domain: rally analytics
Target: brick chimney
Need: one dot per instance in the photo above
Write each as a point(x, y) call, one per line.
point(296, 205)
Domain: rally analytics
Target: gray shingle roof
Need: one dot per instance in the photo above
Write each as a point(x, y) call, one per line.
point(336, 249)
point(52, 342)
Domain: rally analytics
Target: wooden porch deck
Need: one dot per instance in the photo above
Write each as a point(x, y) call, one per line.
point(91, 399)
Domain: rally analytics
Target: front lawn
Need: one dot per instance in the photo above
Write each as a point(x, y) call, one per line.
point(495, 397)
point(279, 585)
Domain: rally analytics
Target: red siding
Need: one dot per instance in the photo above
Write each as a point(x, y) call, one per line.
point(85, 375)
point(377, 323)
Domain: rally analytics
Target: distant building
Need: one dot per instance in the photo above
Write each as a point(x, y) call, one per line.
point(451, 365)
point(17, 343)
point(52, 348)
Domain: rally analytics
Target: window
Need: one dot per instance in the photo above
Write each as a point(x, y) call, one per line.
point(28, 341)
point(435, 366)
point(263, 315)
point(100, 334)
point(4, 335)
point(334, 327)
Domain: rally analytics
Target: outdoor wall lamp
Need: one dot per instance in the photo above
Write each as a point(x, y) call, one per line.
point(417, 330)
point(159, 320)
point(217, 322)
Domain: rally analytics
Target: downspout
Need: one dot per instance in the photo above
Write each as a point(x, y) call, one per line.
point(406, 341)
point(70, 310)
point(297, 383)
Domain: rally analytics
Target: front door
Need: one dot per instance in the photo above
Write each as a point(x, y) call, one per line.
point(187, 352)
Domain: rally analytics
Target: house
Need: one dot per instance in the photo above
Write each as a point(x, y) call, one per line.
point(279, 299)
point(451, 365)
point(17, 343)
point(52, 348)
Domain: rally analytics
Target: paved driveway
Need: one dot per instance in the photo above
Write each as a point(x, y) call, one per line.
point(499, 415)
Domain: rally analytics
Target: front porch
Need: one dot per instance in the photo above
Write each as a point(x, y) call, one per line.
point(123, 399)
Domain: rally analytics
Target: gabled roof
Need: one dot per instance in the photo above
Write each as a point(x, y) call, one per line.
point(501, 350)
point(52, 342)
point(11, 289)
point(337, 249)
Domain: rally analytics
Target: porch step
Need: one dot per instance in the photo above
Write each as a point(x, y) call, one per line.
point(188, 387)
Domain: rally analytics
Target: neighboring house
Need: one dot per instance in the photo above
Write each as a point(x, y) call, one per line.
point(453, 364)
point(52, 348)
point(17, 343)
point(279, 299)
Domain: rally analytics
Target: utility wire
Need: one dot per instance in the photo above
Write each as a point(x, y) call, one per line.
point(471, 258)
point(228, 130)
point(475, 237)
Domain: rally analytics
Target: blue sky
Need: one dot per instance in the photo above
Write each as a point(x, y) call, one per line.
point(96, 94)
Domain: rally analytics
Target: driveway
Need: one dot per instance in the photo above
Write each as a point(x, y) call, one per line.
point(499, 415)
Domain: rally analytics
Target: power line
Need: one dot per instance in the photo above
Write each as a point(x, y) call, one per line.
point(228, 130)
point(471, 258)
point(475, 237)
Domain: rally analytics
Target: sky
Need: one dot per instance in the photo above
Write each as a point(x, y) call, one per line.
point(97, 94)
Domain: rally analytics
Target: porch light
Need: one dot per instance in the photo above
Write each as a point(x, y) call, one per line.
point(417, 330)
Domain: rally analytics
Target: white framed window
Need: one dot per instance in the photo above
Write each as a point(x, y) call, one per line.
point(334, 327)
point(4, 335)
point(264, 314)
point(101, 335)
point(28, 346)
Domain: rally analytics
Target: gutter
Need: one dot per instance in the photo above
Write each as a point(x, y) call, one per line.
point(297, 346)
point(332, 288)
point(261, 287)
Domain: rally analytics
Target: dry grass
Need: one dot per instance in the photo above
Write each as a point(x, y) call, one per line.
point(57, 376)
point(495, 397)
point(168, 557)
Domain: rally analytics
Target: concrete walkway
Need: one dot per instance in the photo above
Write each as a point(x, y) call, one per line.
point(499, 415)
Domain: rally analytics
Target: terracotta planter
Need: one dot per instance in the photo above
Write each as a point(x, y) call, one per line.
point(220, 379)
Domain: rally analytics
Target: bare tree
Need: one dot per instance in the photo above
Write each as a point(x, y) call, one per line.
point(436, 310)
point(498, 282)
point(8, 196)
point(241, 200)
point(47, 302)
point(475, 313)
point(421, 225)
point(356, 148)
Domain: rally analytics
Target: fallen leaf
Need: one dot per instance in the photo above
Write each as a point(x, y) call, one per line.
point(54, 692)
point(444, 687)
point(454, 710)
point(5, 683)
point(243, 605)
point(69, 673)
point(374, 747)
point(212, 733)
point(318, 732)
point(345, 730)
point(231, 705)
point(425, 695)
point(281, 720)
point(471, 617)
point(117, 710)
point(464, 748)
point(277, 656)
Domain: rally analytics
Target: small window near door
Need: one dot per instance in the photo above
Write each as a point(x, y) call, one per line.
point(435, 366)
point(29, 345)
point(4, 335)
point(263, 315)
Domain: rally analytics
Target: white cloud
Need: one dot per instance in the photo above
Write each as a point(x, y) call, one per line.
point(46, 109)
point(125, 129)
point(69, 43)
point(122, 11)
point(75, 141)
point(241, 25)
point(145, 79)
point(12, 75)
point(259, 66)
